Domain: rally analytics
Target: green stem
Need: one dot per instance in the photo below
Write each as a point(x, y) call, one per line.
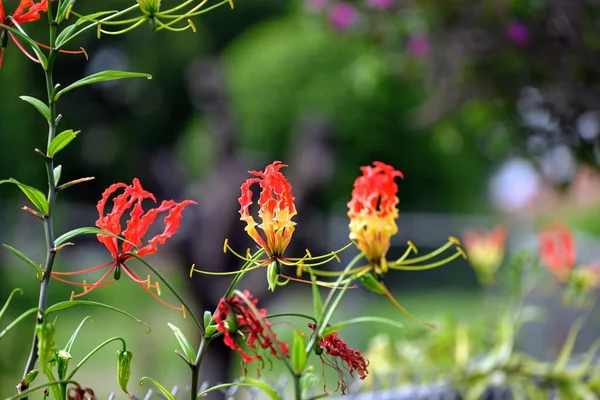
point(25, 393)
point(297, 387)
point(91, 353)
point(196, 367)
point(48, 225)
point(172, 289)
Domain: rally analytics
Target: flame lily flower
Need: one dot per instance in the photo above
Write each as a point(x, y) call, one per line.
point(373, 213)
point(137, 226)
point(26, 11)
point(557, 251)
point(157, 18)
point(239, 314)
point(276, 210)
point(353, 361)
point(486, 252)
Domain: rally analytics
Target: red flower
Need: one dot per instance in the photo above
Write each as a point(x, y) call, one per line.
point(557, 250)
point(137, 226)
point(27, 11)
point(373, 212)
point(239, 313)
point(354, 361)
point(276, 209)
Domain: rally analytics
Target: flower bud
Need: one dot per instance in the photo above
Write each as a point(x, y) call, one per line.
point(273, 271)
point(46, 344)
point(123, 368)
point(62, 358)
point(149, 7)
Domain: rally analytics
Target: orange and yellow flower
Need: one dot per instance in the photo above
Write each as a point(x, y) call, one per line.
point(373, 212)
point(274, 232)
point(486, 252)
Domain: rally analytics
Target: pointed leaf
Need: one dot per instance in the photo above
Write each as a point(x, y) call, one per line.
point(265, 387)
point(63, 305)
point(299, 356)
point(567, 349)
point(23, 257)
point(39, 105)
point(61, 141)
point(160, 387)
point(57, 173)
point(36, 197)
point(74, 335)
point(101, 77)
point(186, 346)
point(17, 320)
point(7, 303)
point(88, 230)
point(359, 320)
point(17, 30)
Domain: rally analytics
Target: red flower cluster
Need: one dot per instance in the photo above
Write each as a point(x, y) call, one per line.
point(354, 360)
point(240, 314)
point(27, 11)
point(557, 251)
point(137, 227)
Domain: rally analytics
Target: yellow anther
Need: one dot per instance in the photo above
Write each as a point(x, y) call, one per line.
point(308, 253)
point(462, 252)
point(72, 295)
point(85, 54)
point(231, 4)
point(248, 254)
point(99, 31)
point(225, 245)
point(453, 239)
point(335, 255)
point(148, 282)
point(384, 265)
point(192, 25)
point(299, 269)
point(68, 14)
point(192, 270)
point(184, 312)
point(85, 286)
point(413, 247)
point(158, 288)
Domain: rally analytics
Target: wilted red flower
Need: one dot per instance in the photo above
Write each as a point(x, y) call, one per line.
point(239, 314)
point(373, 212)
point(557, 250)
point(485, 251)
point(353, 360)
point(137, 226)
point(77, 393)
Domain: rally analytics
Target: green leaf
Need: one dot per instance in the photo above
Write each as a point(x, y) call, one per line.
point(186, 346)
point(317, 299)
point(17, 30)
point(70, 31)
point(359, 320)
point(567, 349)
point(36, 197)
point(62, 11)
point(39, 105)
point(160, 387)
point(371, 283)
point(88, 230)
point(7, 303)
point(57, 173)
point(101, 77)
point(60, 141)
point(23, 257)
point(245, 381)
point(299, 356)
point(63, 305)
point(17, 320)
point(74, 335)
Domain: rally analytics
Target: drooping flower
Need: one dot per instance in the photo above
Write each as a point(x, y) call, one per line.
point(137, 226)
point(333, 350)
point(239, 317)
point(557, 251)
point(373, 213)
point(518, 33)
point(486, 252)
point(276, 210)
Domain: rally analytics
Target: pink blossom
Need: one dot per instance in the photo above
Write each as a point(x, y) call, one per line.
point(418, 45)
point(342, 16)
point(518, 33)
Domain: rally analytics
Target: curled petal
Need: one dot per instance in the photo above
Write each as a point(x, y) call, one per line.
point(33, 12)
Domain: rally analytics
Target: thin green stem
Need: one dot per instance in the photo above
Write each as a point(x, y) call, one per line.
point(91, 353)
point(25, 393)
point(196, 367)
point(297, 387)
point(48, 225)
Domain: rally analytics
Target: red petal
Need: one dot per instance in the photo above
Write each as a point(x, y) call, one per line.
point(2, 14)
point(33, 14)
point(171, 224)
